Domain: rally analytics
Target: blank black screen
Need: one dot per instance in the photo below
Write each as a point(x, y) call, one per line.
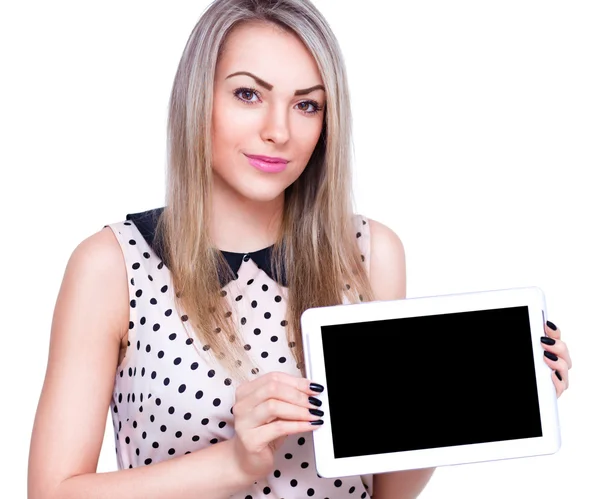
point(434, 381)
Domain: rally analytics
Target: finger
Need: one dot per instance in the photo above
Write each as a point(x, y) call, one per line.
point(558, 384)
point(257, 439)
point(558, 364)
point(299, 383)
point(552, 330)
point(272, 409)
point(557, 347)
point(274, 390)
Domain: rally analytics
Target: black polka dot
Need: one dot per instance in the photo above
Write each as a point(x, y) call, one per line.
point(288, 456)
point(171, 451)
point(157, 401)
point(293, 482)
point(153, 301)
point(177, 361)
point(238, 297)
point(352, 489)
point(172, 336)
point(257, 331)
point(211, 373)
point(227, 381)
point(247, 347)
point(148, 348)
point(304, 465)
point(284, 323)
point(199, 394)
point(274, 338)
point(266, 491)
point(243, 321)
point(337, 483)
point(148, 461)
point(168, 312)
point(265, 287)
point(181, 388)
point(153, 375)
point(135, 266)
point(178, 434)
point(194, 366)
point(214, 441)
point(363, 495)
point(166, 381)
point(310, 492)
point(204, 421)
point(217, 402)
point(184, 318)
point(189, 341)
point(278, 298)
point(277, 473)
point(282, 360)
point(163, 428)
point(267, 315)
point(155, 445)
point(171, 410)
point(187, 416)
point(164, 289)
point(301, 441)
point(264, 355)
point(138, 293)
point(161, 354)
point(222, 424)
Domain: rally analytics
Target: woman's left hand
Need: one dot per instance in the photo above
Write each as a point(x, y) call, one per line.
point(556, 355)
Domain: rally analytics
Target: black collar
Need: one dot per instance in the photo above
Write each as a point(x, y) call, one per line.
point(146, 222)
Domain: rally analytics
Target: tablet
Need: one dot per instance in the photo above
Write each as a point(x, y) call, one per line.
point(432, 381)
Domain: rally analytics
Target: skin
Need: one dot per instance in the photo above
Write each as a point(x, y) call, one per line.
point(248, 203)
point(90, 322)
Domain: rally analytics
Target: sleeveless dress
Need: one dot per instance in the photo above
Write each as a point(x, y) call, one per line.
point(169, 400)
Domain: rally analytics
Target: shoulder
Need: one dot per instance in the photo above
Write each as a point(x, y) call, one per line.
point(387, 263)
point(97, 274)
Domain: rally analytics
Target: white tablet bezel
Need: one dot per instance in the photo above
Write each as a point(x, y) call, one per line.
point(532, 297)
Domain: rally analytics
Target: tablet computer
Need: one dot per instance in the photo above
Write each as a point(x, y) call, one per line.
point(432, 381)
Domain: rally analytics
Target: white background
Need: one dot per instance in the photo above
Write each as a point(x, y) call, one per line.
point(477, 139)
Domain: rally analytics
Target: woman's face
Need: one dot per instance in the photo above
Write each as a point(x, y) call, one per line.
point(273, 109)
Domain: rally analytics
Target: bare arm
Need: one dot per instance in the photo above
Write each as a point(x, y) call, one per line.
point(388, 279)
point(90, 319)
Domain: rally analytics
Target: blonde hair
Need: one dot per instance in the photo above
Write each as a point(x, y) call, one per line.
point(321, 257)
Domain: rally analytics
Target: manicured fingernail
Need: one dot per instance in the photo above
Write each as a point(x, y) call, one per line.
point(314, 401)
point(547, 341)
point(315, 387)
point(551, 325)
point(317, 422)
point(550, 355)
point(316, 412)
point(558, 375)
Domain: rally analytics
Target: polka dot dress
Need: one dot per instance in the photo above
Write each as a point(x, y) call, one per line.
point(170, 399)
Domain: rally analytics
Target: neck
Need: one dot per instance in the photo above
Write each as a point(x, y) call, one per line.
point(242, 225)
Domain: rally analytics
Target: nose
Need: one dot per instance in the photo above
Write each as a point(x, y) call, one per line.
point(276, 127)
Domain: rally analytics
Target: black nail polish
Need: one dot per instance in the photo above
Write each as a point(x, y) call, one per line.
point(314, 401)
point(317, 422)
point(551, 325)
point(316, 412)
point(558, 375)
point(547, 341)
point(550, 355)
point(315, 387)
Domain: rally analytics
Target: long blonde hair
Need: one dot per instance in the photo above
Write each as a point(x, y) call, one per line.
point(321, 257)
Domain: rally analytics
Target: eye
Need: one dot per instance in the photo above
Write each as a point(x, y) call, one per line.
point(243, 93)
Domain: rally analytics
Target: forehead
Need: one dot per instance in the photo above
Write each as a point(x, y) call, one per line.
point(269, 52)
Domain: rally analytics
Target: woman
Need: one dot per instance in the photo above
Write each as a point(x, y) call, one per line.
point(184, 321)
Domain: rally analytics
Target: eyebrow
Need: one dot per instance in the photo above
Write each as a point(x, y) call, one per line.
point(268, 86)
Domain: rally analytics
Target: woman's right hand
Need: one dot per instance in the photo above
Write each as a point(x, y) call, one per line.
point(266, 411)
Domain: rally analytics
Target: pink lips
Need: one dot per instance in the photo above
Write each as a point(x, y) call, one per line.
point(267, 163)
